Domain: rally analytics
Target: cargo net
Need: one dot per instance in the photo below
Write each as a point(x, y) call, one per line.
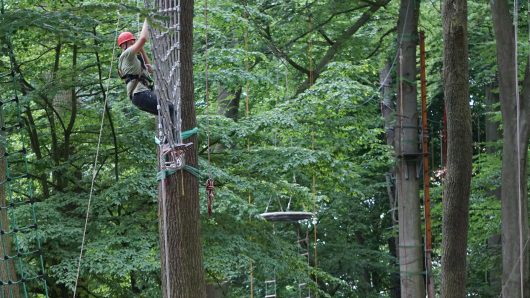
point(167, 58)
point(21, 261)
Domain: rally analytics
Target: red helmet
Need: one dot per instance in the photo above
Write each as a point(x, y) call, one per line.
point(125, 36)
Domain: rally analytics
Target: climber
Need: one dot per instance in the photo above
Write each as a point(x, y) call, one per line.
point(134, 68)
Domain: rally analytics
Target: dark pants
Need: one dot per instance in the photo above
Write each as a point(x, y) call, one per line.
point(146, 101)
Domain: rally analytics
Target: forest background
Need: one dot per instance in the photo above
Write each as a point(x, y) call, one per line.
point(63, 51)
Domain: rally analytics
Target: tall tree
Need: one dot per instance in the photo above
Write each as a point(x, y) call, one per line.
point(459, 149)
point(514, 191)
point(185, 267)
point(406, 147)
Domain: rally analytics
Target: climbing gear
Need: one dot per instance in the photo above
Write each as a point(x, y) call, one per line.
point(174, 155)
point(124, 37)
point(210, 194)
point(25, 255)
point(94, 169)
point(139, 78)
point(145, 80)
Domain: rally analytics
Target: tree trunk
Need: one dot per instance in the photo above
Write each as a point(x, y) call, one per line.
point(12, 290)
point(407, 149)
point(514, 214)
point(185, 268)
point(459, 149)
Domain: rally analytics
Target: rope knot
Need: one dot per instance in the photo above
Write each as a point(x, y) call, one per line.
point(210, 194)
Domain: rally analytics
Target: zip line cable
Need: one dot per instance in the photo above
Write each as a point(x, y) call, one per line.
point(94, 171)
point(518, 107)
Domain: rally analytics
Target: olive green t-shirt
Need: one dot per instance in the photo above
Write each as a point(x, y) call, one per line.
point(129, 64)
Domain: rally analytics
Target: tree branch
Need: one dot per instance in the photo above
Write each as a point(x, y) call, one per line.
point(332, 51)
point(317, 27)
point(381, 42)
point(297, 66)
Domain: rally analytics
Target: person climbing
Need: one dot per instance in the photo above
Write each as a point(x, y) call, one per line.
point(134, 68)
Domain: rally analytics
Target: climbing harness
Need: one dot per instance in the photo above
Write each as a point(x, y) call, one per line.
point(138, 78)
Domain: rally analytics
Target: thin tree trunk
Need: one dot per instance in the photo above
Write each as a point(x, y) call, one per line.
point(185, 268)
point(406, 146)
point(459, 149)
point(6, 265)
point(514, 195)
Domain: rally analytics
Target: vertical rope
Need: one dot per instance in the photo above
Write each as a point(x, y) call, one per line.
point(519, 194)
point(403, 164)
point(209, 182)
point(94, 171)
point(206, 74)
point(313, 148)
point(247, 113)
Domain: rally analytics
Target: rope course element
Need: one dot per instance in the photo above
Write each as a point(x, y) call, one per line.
point(209, 182)
point(94, 170)
point(172, 149)
point(314, 171)
point(247, 114)
point(518, 132)
point(26, 264)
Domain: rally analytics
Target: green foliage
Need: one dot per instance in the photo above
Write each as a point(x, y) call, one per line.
point(339, 115)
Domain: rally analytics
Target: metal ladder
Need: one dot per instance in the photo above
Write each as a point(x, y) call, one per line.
point(270, 285)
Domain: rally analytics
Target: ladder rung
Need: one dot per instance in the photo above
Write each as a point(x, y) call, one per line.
point(304, 254)
point(270, 281)
point(302, 285)
point(270, 296)
point(303, 240)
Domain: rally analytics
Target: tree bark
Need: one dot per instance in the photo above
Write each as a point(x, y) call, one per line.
point(459, 149)
point(514, 218)
point(185, 267)
point(407, 149)
point(12, 290)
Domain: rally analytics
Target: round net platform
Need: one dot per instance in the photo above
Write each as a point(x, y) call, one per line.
point(286, 216)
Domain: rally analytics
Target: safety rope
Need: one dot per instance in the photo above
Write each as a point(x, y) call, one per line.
point(518, 108)
point(247, 114)
point(314, 171)
point(209, 182)
point(94, 170)
point(402, 162)
point(12, 188)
